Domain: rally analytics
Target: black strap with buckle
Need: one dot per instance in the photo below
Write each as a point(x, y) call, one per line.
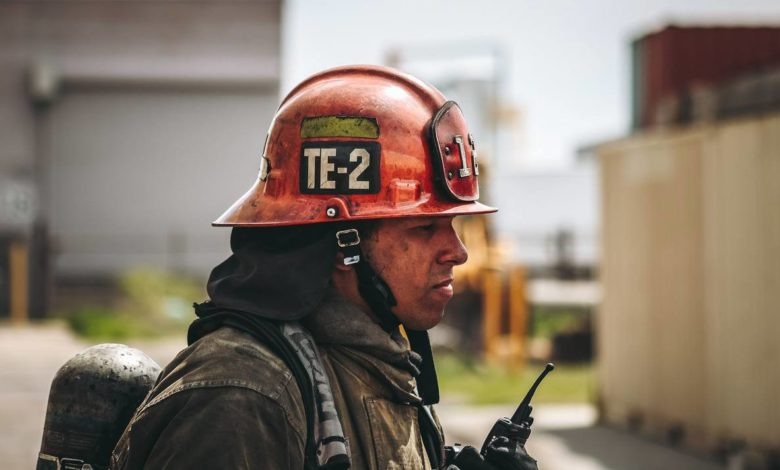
point(52, 462)
point(373, 288)
point(349, 244)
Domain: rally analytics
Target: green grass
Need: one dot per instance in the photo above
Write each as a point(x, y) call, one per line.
point(102, 324)
point(547, 321)
point(152, 303)
point(479, 384)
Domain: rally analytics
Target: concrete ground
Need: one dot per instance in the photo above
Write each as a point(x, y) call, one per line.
point(29, 358)
point(564, 436)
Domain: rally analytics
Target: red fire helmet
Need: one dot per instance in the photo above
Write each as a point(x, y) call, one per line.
point(362, 142)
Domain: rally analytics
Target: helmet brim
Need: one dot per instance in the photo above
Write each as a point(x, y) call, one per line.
point(287, 216)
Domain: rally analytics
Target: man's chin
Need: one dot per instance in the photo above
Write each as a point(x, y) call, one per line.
point(423, 322)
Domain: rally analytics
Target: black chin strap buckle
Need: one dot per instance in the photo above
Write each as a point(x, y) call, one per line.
point(349, 243)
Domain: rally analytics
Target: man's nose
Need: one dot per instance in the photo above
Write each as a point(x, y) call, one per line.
point(453, 251)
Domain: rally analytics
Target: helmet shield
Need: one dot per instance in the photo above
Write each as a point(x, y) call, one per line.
point(454, 153)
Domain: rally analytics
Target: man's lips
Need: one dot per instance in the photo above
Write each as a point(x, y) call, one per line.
point(445, 283)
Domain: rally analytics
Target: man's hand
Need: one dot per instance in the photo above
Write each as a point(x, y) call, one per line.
point(501, 454)
point(506, 455)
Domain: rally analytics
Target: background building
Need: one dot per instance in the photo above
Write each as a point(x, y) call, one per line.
point(126, 128)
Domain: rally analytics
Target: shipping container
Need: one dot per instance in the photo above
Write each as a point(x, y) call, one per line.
point(670, 65)
point(687, 330)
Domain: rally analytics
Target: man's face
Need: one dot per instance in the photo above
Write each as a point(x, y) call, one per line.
point(415, 257)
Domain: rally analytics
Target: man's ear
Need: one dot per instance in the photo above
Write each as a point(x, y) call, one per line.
point(339, 263)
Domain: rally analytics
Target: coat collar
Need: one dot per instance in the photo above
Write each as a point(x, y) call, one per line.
point(342, 325)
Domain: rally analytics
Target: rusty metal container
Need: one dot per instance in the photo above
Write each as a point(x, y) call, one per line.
point(672, 63)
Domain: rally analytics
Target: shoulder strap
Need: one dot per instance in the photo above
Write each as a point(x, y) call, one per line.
point(269, 334)
point(431, 436)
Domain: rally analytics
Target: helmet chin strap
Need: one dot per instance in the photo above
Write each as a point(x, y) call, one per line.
point(377, 295)
point(372, 288)
point(380, 299)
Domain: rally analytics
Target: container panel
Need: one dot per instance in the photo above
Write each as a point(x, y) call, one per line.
point(687, 330)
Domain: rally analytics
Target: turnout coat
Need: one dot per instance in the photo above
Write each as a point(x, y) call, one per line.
point(227, 401)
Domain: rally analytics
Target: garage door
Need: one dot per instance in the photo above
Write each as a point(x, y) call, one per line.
point(135, 177)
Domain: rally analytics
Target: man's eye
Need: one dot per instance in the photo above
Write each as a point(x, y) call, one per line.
point(425, 228)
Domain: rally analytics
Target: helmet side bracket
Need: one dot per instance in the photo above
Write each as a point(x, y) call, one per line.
point(458, 182)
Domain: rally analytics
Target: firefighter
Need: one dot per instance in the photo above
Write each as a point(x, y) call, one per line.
point(312, 350)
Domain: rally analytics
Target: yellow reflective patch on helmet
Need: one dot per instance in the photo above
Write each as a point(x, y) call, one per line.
point(339, 126)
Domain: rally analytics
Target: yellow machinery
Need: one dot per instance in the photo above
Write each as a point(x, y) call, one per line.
point(502, 286)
